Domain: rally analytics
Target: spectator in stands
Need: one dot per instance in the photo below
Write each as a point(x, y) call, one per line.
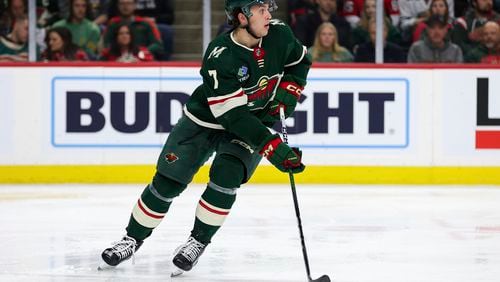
point(414, 12)
point(161, 12)
point(13, 46)
point(461, 7)
point(366, 51)
point(60, 46)
point(14, 9)
point(467, 30)
point(123, 48)
point(489, 51)
point(437, 7)
point(353, 9)
point(145, 32)
point(85, 33)
point(326, 47)
point(361, 35)
point(297, 8)
point(436, 47)
point(326, 11)
point(53, 11)
point(99, 12)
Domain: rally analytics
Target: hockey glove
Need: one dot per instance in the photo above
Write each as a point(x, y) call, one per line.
point(281, 155)
point(287, 95)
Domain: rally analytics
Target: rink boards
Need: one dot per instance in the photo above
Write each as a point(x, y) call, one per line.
point(355, 123)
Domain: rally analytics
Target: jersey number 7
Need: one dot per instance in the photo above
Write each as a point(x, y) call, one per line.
point(213, 73)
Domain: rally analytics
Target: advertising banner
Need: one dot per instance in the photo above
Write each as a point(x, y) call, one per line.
point(346, 114)
point(468, 117)
point(354, 112)
point(116, 110)
point(382, 117)
point(6, 106)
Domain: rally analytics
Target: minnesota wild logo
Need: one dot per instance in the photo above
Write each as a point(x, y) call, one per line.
point(171, 157)
point(262, 91)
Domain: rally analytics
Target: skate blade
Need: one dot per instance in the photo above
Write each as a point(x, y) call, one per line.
point(176, 272)
point(104, 266)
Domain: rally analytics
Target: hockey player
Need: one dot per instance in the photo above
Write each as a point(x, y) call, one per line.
point(248, 73)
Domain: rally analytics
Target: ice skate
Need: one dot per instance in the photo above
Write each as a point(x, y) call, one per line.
point(186, 256)
point(119, 252)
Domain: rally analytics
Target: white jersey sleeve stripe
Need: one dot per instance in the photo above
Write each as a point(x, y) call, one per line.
point(222, 104)
point(223, 97)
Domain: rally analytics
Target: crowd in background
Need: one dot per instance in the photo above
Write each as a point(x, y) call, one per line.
point(83, 30)
point(415, 31)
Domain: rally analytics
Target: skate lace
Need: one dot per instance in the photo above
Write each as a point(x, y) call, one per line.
point(192, 249)
point(125, 247)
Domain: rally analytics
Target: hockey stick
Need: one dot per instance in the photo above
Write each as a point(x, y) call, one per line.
point(323, 278)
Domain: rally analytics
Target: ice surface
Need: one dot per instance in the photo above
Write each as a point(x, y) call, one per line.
point(353, 233)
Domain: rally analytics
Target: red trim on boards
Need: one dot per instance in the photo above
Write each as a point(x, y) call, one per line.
point(487, 139)
point(197, 64)
point(102, 64)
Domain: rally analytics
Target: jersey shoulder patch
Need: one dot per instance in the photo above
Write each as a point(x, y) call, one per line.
point(216, 52)
point(219, 51)
point(221, 58)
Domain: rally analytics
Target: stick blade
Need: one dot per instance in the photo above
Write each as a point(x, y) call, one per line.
point(323, 278)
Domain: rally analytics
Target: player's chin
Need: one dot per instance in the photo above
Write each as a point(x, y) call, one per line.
point(264, 31)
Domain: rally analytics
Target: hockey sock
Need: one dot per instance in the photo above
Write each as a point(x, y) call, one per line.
point(226, 174)
point(152, 206)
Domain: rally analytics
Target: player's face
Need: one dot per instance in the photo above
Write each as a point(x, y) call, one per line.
point(55, 42)
point(123, 37)
point(438, 7)
point(327, 37)
point(259, 21)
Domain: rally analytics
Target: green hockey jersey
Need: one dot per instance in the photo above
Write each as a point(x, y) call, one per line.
point(239, 82)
